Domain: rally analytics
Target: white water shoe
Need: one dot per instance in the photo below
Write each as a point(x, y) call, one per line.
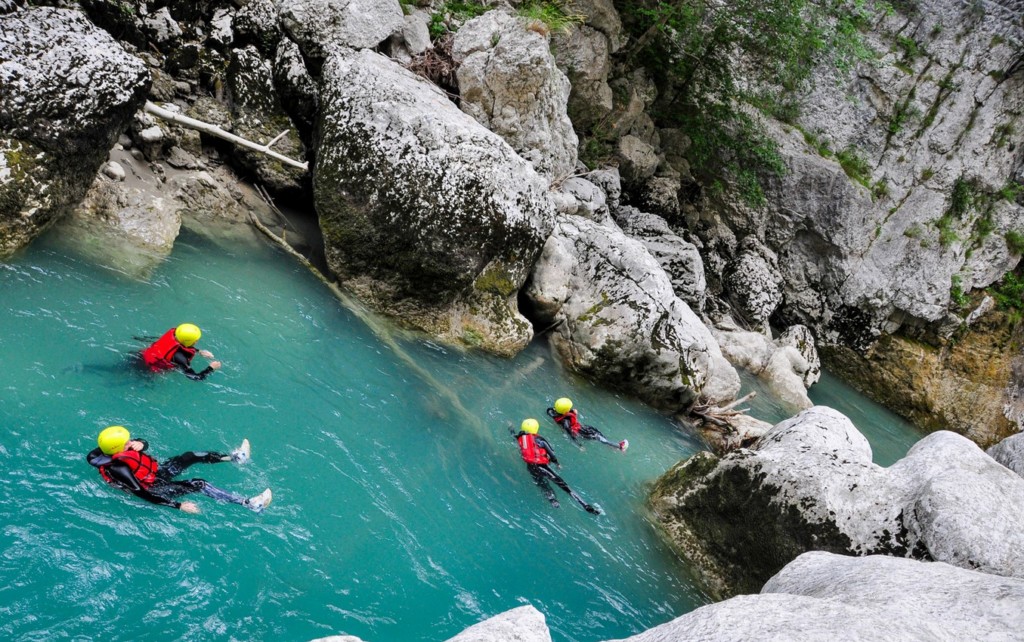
point(623, 445)
point(259, 502)
point(241, 454)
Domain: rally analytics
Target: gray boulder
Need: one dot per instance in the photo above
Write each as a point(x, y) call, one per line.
point(787, 369)
point(425, 213)
point(680, 259)
point(257, 115)
point(1010, 453)
point(579, 196)
point(583, 55)
point(257, 23)
point(67, 89)
point(821, 596)
point(523, 624)
point(509, 82)
point(619, 320)
point(296, 87)
point(320, 26)
point(753, 283)
point(809, 484)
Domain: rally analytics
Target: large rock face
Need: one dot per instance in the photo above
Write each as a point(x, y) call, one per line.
point(932, 126)
point(972, 385)
point(894, 201)
point(809, 484)
point(425, 213)
point(619, 320)
point(67, 90)
point(820, 596)
point(509, 82)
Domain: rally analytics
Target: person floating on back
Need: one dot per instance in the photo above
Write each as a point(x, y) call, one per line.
point(537, 454)
point(124, 463)
point(566, 417)
point(175, 349)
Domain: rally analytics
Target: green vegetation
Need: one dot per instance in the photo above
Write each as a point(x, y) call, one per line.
point(823, 149)
point(913, 231)
point(1003, 133)
point(927, 173)
point(855, 166)
point(910, 48)
point(880, 189)
point(452, 14)
point(556, 16)
point(1015, 241)
point(1009, 294)
point(956, 292)
point(691, 47)
point(960, 202)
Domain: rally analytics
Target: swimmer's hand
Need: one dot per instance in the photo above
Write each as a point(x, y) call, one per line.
point(189, 507)
point(206, 354)
point(134, 444)
point(215, 365)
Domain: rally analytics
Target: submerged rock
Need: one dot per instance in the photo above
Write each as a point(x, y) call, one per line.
point(809, 484)
point(426, 214)
point(619, 321)
point(67, 89)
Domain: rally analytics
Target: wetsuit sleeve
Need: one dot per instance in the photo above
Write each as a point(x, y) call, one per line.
point(543, 443)
point(179, 359)
point(97, 458)
point(122, 476)
point(566, 425)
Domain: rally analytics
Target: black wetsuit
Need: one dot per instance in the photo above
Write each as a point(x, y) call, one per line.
point(541, 473)
point(587, 432)
point(184, 363)
point(165, 488)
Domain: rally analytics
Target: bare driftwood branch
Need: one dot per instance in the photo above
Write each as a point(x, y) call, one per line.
point(214, 130)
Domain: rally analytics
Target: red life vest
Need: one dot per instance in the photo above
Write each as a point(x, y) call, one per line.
point(574, 423)
point(532, 453)
point(143, 466)
point(158, 356)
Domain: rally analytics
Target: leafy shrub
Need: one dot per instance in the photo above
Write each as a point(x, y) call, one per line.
point(1015, 241)
point(855, 166)
point(956, 292)
point(557, 16)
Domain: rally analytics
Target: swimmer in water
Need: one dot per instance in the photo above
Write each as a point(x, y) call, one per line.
point(124, 463)
point(175, 349)
point(537, 453)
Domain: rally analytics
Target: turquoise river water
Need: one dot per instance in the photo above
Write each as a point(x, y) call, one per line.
point(401, 512)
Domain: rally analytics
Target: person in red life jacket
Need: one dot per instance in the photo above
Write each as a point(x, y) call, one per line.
point(566, 417)
point(124, 463)
point(537, 453)
point(175, 349)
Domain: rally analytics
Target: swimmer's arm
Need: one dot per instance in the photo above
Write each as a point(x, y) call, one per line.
point(543, 443)
point(179, 359)
point(123, 477)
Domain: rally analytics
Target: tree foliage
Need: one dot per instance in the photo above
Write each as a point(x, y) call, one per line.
point(713, 60)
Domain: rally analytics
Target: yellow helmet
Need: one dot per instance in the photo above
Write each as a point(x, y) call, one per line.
point(187, 334)
point(113, 439)
point(530, 426)
point(563, 405)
